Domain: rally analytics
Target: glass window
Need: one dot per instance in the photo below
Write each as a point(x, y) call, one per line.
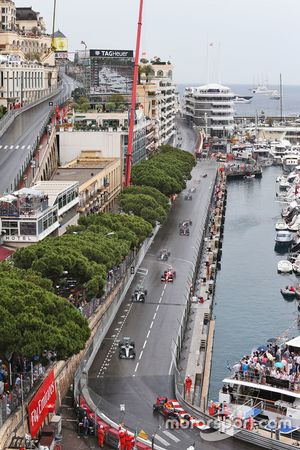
point(28, 228)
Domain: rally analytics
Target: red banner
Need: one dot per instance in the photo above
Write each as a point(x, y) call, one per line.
point(42, 403)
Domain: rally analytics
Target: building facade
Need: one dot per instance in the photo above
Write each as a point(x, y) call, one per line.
point(157, 94)
point(27, 63)
point(30, 215)
point(107, 133)
point(211, 108)
point(99, 181)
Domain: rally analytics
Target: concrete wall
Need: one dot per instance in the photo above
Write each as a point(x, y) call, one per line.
point(72, 143)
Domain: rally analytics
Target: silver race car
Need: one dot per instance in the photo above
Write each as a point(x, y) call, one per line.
point(126, 348)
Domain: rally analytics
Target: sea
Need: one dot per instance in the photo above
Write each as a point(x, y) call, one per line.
point(262, 103)
point(249, 307)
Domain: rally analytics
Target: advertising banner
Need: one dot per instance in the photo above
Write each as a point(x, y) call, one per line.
point(42, 403)
point(60, 44)
point(111, 72)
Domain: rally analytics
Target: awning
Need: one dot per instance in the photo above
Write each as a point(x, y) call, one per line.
point(4, 253)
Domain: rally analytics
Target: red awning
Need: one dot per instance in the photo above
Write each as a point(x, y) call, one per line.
point(4, 253)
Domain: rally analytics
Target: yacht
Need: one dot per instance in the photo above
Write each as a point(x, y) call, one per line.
point(278, 151)
point(242, 100)
point(283, 238)
point(281, 225)
point(262, 390)
point(275, 95)
point(284, 185)
point(290, 161)
point(262, 89)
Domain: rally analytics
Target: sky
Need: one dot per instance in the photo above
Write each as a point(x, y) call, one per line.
point(252, 40)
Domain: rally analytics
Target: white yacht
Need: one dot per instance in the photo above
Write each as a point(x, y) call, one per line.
point(281, 225)
point(290, 160)
point(275, 95)
point(262, 89)
point(278, 151)
point(262, 390)
point(241, 100)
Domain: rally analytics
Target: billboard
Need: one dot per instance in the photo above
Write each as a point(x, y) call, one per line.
point(111, 72)
point(60, 44)
point(42, 403)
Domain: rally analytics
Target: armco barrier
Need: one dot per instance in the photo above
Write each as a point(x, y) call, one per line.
point(10, 116)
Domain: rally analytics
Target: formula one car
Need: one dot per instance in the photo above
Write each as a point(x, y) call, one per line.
point(185, 223)
point(139, 294)
point(126, 348)
point(204, 176)
point(184, 231)
point(163, 255)
point(167, 410)
point(188, 197)
point(168, 276)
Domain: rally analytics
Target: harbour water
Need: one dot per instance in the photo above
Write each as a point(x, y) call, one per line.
point(249, 308)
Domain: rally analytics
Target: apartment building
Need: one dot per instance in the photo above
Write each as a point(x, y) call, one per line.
point(157, 94)
point(27, 63)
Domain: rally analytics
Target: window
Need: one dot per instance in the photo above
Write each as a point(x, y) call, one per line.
point(10, 228)
point(28, 228)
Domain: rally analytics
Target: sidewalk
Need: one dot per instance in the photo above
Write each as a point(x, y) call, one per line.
point(70, 438)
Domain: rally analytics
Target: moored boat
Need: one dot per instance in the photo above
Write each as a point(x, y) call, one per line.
point(281, 225)
point(288, 293)
point(283, 238)
point(284, 266)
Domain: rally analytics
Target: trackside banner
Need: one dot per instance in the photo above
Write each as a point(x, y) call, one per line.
point(41, 404)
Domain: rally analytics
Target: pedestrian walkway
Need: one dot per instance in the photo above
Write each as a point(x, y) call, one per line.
point(70, 438)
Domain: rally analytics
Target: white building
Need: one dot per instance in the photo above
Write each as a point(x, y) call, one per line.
point(27, 64)
point(210, 107)
point(105, 133)
point(30, 215)
point(158, 96)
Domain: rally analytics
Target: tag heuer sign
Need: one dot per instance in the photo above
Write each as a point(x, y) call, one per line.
point(111, 53)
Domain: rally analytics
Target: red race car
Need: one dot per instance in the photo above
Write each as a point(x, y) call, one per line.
point(168, 276)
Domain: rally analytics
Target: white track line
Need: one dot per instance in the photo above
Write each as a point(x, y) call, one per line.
point(171, 436)
point(160, 439)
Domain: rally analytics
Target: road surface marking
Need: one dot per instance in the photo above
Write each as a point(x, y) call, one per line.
point(151, 325)
point(148, 334)
point(141, 354)
point(160, 439)
point(154, 316)
point(157, 307)
point(171, 436)
point(145, 342)
point(136, 367)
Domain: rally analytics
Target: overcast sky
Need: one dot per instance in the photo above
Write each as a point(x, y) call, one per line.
point(256, 39)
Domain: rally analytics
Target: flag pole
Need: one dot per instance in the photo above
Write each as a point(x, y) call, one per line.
point(133, 99)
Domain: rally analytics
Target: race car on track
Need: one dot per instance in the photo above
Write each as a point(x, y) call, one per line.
point(184, 231)
point(166, 408)
point(126, 348)
point(188, 197)
point(168, 276)
point(163, 254)
point(185, 223)
point(139, 294)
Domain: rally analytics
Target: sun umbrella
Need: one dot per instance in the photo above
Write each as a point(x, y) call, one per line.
point(279, 365)
point(272, 340)
point(264, 360)
point(262, 348)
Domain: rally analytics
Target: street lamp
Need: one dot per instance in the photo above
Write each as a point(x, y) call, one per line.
point(85, 64)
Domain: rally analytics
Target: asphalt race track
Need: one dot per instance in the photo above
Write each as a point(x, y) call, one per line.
point(23, 132)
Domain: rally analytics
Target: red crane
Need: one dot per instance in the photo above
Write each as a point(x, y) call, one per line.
point(133, 98)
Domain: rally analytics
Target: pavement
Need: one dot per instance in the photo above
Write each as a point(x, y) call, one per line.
point(18, 141)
